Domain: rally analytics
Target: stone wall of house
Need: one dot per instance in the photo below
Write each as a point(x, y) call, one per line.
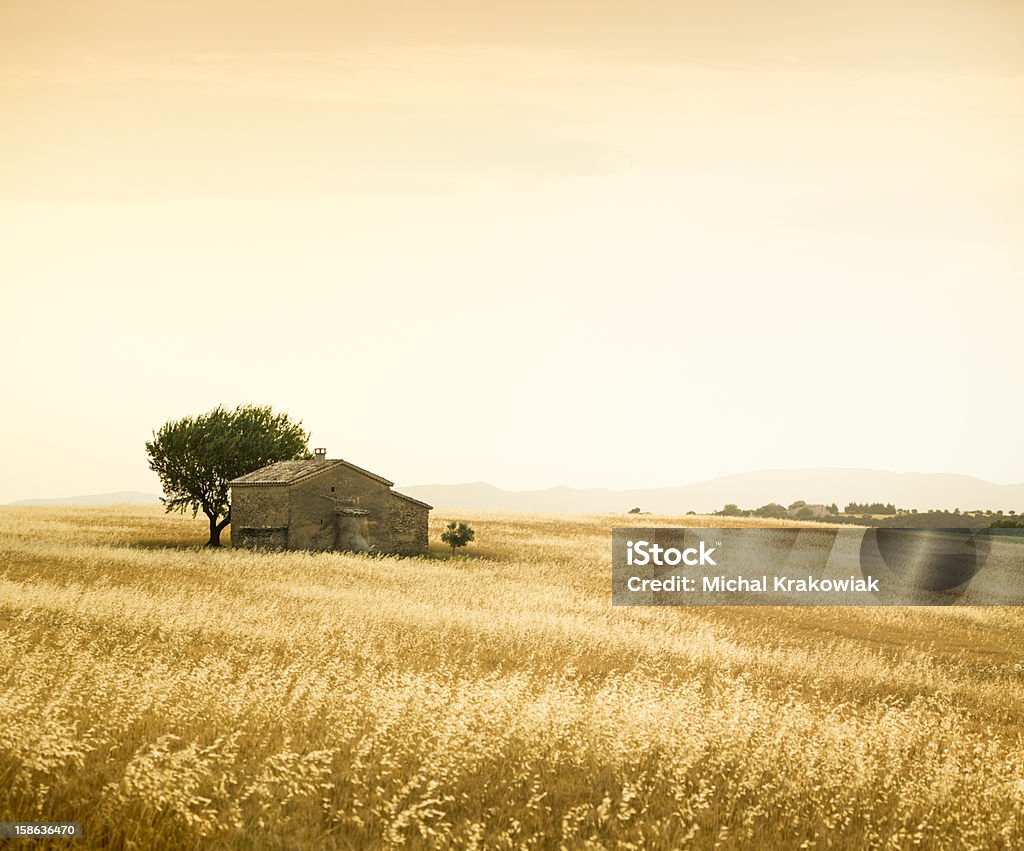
point(260, 538)
point(313, 501)
point(258, 507)
point(408, 526)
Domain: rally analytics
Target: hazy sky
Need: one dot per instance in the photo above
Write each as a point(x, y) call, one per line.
point(532, 243)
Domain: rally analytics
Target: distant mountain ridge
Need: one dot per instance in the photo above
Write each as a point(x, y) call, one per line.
point(115, 498)
point(749, 490)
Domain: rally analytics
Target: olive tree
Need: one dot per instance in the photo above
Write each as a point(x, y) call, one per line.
point(196, 457)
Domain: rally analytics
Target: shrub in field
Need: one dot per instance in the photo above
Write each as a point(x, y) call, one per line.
point(457, 534)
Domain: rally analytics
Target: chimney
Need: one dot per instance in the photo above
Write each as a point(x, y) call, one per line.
point(320, 455)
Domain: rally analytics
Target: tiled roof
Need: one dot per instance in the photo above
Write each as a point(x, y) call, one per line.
point(290, 472)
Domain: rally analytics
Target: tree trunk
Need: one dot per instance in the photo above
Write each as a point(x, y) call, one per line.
point(214, 532)
point(216, 528)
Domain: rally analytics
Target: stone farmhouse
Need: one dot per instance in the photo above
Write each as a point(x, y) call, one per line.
point(325, 505)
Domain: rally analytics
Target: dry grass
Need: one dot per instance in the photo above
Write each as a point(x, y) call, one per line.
point(171, 697)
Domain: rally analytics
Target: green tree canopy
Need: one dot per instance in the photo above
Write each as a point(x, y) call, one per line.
point(196, 457)
point(731, 510)
point(771, 509)
point(457, 534)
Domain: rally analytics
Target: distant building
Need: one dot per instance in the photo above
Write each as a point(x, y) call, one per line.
point(325, 505)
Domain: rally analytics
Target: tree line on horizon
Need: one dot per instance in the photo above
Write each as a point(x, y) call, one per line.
point(873, 514)
point(879, 514)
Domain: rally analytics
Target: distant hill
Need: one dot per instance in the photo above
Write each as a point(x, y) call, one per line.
point(749, 490)
point(116, 498)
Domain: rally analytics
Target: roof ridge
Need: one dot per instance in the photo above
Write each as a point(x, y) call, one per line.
point(319, 467)
point(291, 464)
point(309, 468)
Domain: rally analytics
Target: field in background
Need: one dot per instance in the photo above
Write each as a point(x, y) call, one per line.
point(171, 697)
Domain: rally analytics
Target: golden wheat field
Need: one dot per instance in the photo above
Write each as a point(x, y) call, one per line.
point(173, 697)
